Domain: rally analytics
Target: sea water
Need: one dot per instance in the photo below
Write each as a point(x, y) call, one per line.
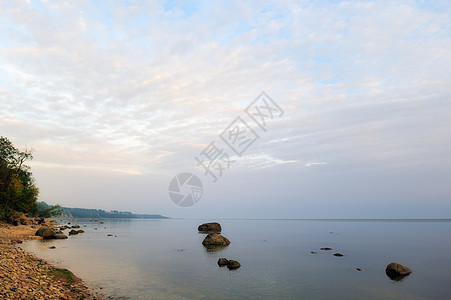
point(165, 259)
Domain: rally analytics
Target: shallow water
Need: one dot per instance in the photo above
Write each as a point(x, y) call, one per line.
point(165, 259)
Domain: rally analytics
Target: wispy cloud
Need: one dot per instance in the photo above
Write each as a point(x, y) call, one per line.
point(309, 164)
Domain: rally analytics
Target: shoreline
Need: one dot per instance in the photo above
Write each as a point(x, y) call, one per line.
point(25, 276)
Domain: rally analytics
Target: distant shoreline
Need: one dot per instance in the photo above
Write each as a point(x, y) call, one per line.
point(339, 220)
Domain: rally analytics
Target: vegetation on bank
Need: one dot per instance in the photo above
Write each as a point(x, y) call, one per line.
point(75, 212)
point(102, 214)
point(18, 192)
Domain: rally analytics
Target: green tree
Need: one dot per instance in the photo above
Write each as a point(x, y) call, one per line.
point(18, 191)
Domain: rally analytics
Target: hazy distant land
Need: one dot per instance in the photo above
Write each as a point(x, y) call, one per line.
point(75, 212)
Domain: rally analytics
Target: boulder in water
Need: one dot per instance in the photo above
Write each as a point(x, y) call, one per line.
point(210, 227)
point(215, 239)
point(397, 271)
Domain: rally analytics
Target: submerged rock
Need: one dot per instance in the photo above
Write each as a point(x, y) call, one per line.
point(397, 271)
point(223, 262)
point(233, 264)
point(60, 236)
point(215, 239)
point(210, 227)
point(326, 249)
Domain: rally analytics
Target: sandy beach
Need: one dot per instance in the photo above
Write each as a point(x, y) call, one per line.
point(25, 276)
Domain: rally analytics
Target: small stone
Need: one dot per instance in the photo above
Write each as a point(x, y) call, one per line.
point(338, 254)
point(52, 247)
point(223, 262)
point(233, 264)
point(313, 252)
point(358, 269)
point(326, 249)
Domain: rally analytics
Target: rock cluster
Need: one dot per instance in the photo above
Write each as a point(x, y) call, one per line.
point(231, 264)
point(49, 233)
point(215, 241)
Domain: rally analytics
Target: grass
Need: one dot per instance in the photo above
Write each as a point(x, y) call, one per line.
point(63, 274)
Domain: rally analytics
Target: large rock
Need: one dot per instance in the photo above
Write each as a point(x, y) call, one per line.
point(210, 227)
point(45, 232)
point(397, 271)
point(215, 239)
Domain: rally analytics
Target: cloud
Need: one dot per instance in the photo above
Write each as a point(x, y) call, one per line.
point(143, 87)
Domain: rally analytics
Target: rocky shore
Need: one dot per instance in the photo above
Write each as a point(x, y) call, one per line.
point(25, 276)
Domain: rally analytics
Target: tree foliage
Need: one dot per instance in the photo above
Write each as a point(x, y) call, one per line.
point(43, 210)
point(18, 192)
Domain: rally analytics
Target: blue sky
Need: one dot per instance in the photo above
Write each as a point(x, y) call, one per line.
point(118, 97)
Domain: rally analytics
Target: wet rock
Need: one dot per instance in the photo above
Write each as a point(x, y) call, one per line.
point(45, 232)
point(52, 247)
point(73, 232)
point(215, 239)
point(326, 249)
point(210, 227)
point(397, 271)
point(223, 262)
point(358, 269)
point(80, 231)
point(338, 254)
point(109, 235)
point(76, 226)
point(60, 236)
point(233, 264)
point(313, 252)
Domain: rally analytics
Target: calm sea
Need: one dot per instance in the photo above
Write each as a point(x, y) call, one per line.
point(165, 259)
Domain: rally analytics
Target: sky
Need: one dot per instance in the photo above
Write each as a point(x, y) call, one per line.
point(118, 97)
